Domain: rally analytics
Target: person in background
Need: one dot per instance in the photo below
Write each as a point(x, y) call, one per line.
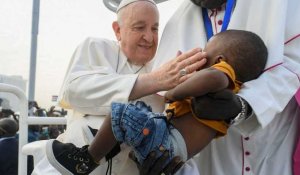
point(102, 71)
point(263, 139)
point(8, 146)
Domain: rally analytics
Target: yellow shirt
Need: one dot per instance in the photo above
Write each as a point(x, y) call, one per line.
point(182, 107)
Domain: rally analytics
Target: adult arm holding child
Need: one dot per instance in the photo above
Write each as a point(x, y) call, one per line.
point(275, 109)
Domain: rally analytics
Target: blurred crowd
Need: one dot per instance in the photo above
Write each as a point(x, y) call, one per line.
point(9, 127)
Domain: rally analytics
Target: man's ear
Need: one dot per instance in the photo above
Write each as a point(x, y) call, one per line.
point(116, 28)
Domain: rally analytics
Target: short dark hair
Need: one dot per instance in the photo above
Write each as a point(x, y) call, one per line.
point(8, 127)
point(246, 52)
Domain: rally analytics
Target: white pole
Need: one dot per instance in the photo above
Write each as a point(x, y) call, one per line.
point(24, 121)
point(33, 51)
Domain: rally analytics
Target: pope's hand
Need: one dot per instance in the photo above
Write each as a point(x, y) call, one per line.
point(179, 69)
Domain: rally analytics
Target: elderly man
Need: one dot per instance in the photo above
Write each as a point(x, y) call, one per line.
point(102, 71)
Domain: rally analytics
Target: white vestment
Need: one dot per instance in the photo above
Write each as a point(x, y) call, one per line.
point(264, 143)
point(98, 74)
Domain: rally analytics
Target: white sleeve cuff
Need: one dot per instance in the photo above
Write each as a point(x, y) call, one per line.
point(248, 126)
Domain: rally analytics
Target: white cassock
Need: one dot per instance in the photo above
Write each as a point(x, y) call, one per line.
point(97, 75)
point(264, 143)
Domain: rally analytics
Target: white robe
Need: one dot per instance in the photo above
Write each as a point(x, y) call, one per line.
point(264, 143)
point(96, 76)
point(267, 138)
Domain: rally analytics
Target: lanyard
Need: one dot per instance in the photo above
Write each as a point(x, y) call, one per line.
point(207, 22)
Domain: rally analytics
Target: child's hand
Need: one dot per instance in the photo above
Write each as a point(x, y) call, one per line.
point(168, 100)
point(169, 97)
point(221, 105)
point(155, 165)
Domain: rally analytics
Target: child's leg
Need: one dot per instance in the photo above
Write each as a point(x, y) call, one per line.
point(103, 142)
point(71, 160)
point(195, 134)
point(134, 124)
point(124, 125)
point(141, 129)
point(124, 116)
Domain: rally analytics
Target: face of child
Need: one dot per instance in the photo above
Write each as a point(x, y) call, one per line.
point(215, 50)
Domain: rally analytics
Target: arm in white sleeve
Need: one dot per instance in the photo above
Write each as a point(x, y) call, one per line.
point(271, 92)
point(93, 94)
point(268, 96)
point(92, 81)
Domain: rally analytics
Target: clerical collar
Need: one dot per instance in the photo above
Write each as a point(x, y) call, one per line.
point(207, 22)
point(135, 68)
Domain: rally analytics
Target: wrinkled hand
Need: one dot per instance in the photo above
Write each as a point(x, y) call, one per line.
point(167, 75)
point(155, 166)
point(221, 105)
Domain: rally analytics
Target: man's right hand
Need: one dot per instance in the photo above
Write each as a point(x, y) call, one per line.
point(168, 76)
point(222, 105)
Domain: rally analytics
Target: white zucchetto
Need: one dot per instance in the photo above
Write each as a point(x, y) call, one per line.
point(126, 2)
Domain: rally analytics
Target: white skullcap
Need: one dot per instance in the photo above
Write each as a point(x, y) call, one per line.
point(127, 2)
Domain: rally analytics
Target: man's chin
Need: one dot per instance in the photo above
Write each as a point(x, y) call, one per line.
point(146, 54)
point(210, 4)
point(145, 59)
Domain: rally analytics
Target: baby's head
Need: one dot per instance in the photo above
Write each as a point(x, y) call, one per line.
point(243, 50)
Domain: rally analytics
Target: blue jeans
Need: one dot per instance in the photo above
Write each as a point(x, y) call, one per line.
point(140, 128)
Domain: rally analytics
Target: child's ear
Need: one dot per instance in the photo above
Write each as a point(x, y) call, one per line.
point(220, 58)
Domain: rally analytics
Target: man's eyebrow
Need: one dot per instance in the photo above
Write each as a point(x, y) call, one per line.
point(139, 23)
point(142, 23)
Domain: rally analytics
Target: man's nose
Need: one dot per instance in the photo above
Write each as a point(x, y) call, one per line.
point(148, 36)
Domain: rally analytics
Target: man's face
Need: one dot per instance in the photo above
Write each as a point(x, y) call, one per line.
point(210, 4)
point(138, 32)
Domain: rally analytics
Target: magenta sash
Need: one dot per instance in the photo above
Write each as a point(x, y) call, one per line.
point(296, 156)
point(298, 96)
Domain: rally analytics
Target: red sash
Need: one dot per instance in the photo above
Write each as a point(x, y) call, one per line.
point(296, 156)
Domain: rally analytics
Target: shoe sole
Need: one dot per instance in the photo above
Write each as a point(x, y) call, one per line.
point(53, 161)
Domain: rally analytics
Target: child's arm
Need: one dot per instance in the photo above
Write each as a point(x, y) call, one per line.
point(202, 82)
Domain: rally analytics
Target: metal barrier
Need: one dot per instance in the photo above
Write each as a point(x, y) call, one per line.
point(25, 121)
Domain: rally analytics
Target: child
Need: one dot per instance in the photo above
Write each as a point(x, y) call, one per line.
point(233, 57)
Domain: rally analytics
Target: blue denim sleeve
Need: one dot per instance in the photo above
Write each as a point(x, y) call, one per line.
point(139, 127)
